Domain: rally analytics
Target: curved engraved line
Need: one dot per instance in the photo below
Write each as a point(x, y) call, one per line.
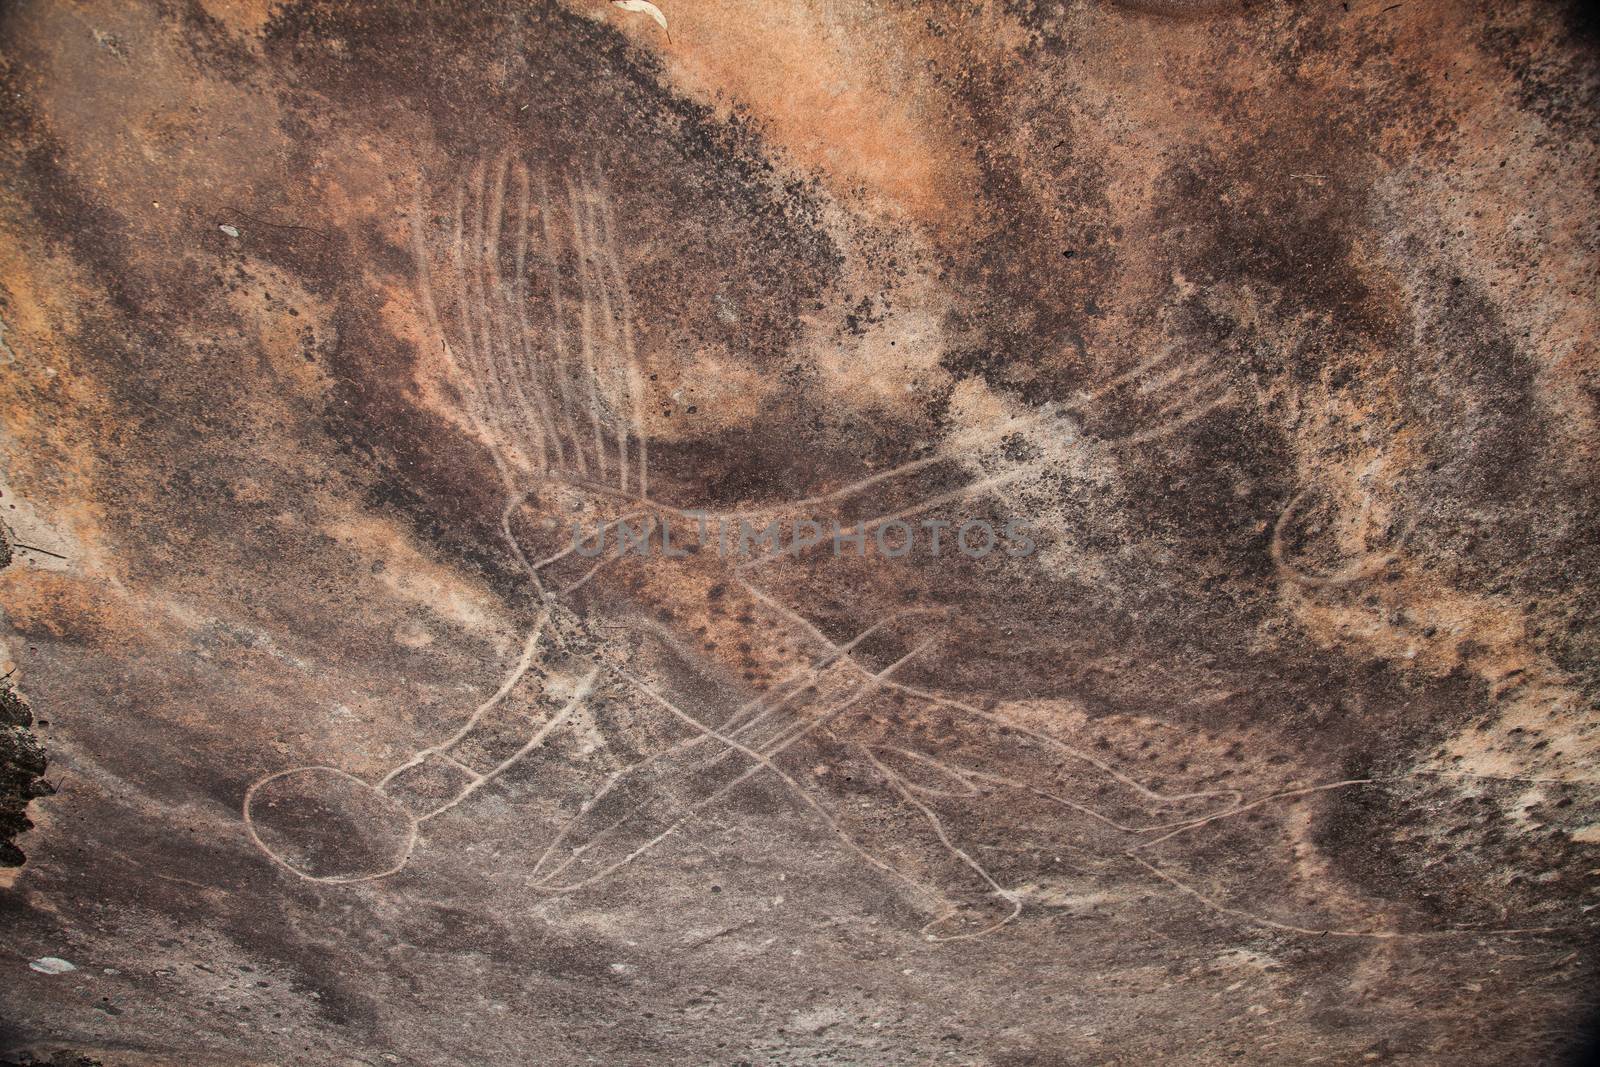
point(1000, 720)
point(967, 775)
point(1383, 935)
point(734, 726)
point(529, 648)
point(1376, 935)
point(737, 725)
point(1359, 571)
point(968, 787)
point(580, 481)
point(616, 554)
point(955, 850)
point(635, 375)
point(1181, 826)
point(563, 356)
point(586, 326)
point(585, 687)
point(466, 253)
point(523, 415)
point(764, 761)
point(588, 239)
point(514, 499)
point(533, 366)
point(250, 828)
point(1234, 796)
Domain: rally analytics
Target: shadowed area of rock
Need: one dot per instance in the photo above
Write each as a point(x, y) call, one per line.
point(1005, 534)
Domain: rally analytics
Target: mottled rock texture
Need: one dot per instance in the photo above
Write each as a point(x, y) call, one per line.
point(1274, 323)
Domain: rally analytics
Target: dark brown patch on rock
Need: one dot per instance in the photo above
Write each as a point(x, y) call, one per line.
point(22, 767)
point(1263, 323)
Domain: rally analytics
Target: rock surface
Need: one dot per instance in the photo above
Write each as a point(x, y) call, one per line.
point(1266, 734)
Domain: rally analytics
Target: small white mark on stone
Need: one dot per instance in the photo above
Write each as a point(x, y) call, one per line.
point(51, 965)
point(231, 231)
point(412, 634)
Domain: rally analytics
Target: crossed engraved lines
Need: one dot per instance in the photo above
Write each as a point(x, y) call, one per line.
point(759, 732)
point(535, 309)
point(557, 707)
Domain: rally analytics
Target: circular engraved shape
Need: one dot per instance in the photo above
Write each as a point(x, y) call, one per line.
point(328, 826)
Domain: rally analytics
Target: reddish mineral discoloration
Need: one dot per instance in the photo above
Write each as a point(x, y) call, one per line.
point(1273, 321)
